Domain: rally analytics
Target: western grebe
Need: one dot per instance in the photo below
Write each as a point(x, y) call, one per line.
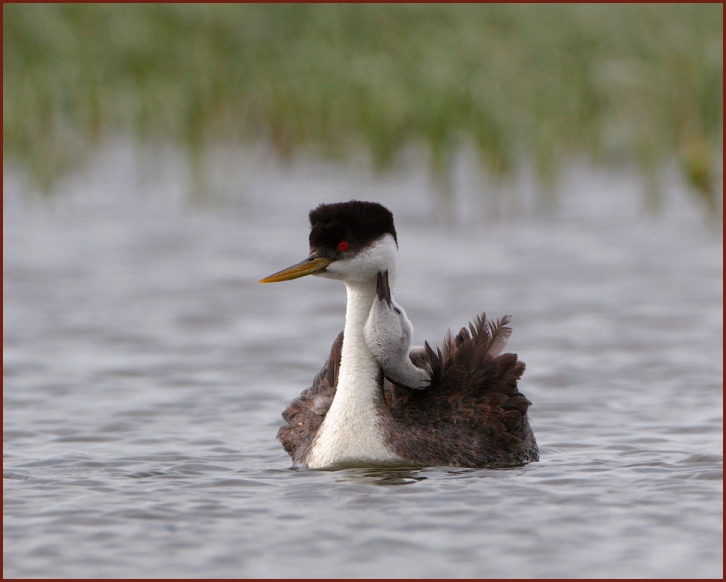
point(379, 402)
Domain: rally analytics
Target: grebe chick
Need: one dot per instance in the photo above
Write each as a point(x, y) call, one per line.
point(388, 336)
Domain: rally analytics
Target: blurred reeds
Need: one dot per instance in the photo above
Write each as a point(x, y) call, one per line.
point(540, 83)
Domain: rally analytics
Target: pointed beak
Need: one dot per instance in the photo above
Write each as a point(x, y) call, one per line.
point(313, 264)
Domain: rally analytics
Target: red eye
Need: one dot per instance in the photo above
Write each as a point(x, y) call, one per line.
point(343, 246)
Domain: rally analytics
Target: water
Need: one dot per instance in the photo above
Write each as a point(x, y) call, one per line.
point(145, 371)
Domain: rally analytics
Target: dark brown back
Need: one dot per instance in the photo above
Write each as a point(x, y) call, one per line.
point(473, 414)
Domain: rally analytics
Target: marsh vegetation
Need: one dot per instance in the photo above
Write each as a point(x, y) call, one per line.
point(525, 84)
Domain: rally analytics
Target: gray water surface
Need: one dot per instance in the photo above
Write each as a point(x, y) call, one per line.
point(145, 371)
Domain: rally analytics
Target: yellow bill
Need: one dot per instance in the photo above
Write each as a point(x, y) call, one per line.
point(309, 266)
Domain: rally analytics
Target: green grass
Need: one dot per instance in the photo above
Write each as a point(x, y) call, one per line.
point(535, 83)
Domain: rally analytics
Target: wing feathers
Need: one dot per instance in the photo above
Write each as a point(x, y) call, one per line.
point(473, 413)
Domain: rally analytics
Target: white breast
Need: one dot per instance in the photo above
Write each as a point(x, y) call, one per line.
point(352, 430)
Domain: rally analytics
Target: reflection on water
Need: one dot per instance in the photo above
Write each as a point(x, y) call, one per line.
point(145, 372)
point(389, 476)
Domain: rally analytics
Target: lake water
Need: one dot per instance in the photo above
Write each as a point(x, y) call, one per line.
point(145, 371)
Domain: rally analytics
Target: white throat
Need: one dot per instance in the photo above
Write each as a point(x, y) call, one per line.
point(352, 431)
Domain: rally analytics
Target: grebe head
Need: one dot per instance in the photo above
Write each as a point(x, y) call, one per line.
point(349, 241)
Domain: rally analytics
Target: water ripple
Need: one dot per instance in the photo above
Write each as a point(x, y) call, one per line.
point(145, 372)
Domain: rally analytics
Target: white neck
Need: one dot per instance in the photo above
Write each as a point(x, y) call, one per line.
point(351, 431)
